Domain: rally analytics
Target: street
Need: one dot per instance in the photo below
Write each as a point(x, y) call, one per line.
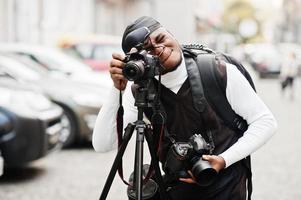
point(79, 173)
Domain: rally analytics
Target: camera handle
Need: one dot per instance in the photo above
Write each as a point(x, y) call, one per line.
point(142, 130)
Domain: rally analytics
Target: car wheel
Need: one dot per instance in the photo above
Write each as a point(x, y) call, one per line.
point(68, 133)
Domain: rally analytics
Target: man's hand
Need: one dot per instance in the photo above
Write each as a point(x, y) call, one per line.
point(189, 180)
point(116, 66)
point(217, 162)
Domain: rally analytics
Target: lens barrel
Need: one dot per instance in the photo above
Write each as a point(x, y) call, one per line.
point(133, 70)
point(203, 172)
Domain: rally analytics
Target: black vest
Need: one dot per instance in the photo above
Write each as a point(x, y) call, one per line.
point(183, 120)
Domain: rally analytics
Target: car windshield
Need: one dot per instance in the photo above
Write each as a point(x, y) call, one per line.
point(18, 70)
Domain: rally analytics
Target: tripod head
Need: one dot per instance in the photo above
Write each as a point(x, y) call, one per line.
point(145, 95)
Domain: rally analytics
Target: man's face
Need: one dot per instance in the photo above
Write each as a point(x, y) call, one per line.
point(164, 45)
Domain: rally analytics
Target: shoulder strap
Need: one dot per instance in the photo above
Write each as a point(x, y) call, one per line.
point(239, 66)
point(215, 94)
point(195, 81)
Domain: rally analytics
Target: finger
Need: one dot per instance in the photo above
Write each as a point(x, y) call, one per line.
point(118, 56)
point(116, 63)
point(190, 173)
point(115, 70)
point(207, 157)
point(118, 77)
point(133, 50)
point(187, 180)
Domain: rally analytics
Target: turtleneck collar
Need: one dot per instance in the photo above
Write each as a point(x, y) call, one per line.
point(174, 79)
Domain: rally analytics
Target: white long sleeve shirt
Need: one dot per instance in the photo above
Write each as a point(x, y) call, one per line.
point(242, 98)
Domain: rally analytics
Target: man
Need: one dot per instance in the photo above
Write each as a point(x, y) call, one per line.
point(288, 73)
point(183, 120)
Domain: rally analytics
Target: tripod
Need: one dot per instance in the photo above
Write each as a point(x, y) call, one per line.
point(142, 100)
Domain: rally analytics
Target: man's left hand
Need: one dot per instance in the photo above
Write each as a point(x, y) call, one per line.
point(217, 162)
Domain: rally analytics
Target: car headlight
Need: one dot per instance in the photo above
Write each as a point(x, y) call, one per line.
point(88, 100)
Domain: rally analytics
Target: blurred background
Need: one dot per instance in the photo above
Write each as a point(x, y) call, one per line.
point(54, 58)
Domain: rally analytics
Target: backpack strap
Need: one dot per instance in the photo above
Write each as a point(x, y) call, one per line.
point(239, 66)
point(195, 81)
point(214, 93)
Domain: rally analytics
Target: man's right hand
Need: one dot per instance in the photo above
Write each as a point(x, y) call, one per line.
point(116, 66)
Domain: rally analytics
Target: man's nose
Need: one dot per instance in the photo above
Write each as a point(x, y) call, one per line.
point(159, 50)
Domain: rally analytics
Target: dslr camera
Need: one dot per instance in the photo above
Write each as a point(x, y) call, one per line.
point(182, 157)
point(141, 66)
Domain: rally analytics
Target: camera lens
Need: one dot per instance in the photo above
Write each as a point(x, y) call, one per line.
point(133, 70)
point(203, 172)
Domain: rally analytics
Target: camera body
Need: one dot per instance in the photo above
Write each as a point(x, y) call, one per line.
point(141, 66)
point(188, 156)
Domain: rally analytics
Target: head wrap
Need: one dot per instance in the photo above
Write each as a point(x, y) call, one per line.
point(144, 21)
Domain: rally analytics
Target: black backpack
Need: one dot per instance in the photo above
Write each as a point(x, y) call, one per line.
point(212, 86)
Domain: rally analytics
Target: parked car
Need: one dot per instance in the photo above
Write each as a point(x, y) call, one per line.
point(81, 102)
point(30, 125)
point(96, 51)
point(58, 63)
point(265, 58)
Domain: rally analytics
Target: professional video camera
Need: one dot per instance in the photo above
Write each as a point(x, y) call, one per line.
point(188, 156)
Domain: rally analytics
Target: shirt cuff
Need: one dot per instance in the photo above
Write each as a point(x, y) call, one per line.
point(228, 158)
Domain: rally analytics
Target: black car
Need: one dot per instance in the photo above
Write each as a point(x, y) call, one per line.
point(30, 125)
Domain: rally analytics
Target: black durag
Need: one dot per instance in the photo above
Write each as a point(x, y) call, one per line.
point(144, 21)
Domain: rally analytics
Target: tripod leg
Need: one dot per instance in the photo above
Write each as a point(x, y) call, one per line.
point(139, 159)
point(127, 136)
point(155, 163)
